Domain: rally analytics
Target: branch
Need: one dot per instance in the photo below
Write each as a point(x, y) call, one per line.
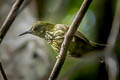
point(3, 72)
point(6, 25)
point(68, 37)
point(10, 18)
point(110, 57)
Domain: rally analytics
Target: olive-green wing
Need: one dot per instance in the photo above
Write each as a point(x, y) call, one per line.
point(81, 36)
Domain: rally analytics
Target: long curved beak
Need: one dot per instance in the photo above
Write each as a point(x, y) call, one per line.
point(26, 32)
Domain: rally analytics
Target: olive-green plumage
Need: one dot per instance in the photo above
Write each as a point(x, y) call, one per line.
point(54, 34)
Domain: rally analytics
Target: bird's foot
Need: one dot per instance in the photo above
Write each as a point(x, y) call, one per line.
point(57, 57)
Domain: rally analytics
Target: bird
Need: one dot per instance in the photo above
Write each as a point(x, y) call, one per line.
point(54, 34)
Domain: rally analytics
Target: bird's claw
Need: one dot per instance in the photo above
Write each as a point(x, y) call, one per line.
point(57, 57)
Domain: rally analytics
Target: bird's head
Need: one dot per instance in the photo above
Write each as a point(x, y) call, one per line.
point(39, 29)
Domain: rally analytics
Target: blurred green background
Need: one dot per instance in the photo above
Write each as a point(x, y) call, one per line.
point(31, 58)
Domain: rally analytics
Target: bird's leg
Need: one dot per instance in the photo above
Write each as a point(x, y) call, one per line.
point(57, 57)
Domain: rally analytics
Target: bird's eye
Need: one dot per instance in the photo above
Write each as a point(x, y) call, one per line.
point(36, 28)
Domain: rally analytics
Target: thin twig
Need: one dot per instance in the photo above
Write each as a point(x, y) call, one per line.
point(110, 57)
point(68, 38)
point(24, 5)
point(3, 72)
point(115, 27)
point(6, 25)
point(10, 18)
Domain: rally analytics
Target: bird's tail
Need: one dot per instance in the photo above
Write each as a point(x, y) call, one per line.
point(98, 46)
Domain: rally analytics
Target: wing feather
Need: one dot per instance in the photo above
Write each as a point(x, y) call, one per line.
point(81, 36)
